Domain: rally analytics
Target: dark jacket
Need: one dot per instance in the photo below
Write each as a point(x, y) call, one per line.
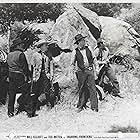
point(17, 63)
point(80, 60)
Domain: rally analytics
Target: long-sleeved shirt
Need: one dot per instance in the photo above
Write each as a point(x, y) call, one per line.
point(83, 52)
point(37, 65)
point(101, 55)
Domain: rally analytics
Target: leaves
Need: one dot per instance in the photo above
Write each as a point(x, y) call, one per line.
point(107, 9)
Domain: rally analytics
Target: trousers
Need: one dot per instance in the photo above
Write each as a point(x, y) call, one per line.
point(16, 80)
point(89, 89)
point(108, 71)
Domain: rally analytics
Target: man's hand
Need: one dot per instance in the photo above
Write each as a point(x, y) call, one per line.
point(97, 71)
point(49, 76)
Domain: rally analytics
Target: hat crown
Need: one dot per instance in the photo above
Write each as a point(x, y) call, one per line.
point(41, 42)
point(100, 40)
point(78, 37)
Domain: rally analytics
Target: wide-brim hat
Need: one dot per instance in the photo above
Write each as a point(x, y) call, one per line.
point(100, 40)
point(41, 42)
point(78, 38)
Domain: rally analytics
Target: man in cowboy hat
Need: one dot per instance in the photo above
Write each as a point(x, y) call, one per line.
point(101, 53)
point(19, 73)
point(42, 71)
point(84, 58)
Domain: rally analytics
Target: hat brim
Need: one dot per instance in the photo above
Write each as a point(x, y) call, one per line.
point(79, 39)
point(39, 45)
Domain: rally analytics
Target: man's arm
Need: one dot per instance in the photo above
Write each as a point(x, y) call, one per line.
point(73, 58)
point(95, 62)
point(24, 65)
point(51, 68)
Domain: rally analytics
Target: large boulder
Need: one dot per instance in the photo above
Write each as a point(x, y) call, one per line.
point(67, 26)
point(119, 34)
point(121, 39)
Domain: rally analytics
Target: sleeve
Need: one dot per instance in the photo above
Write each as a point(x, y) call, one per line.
point(108, 52)
point(24, 65)
point(51, 66)
point(94, 55)
point(73, 58)
point(96, 52)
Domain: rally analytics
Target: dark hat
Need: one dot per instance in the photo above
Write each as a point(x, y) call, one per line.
point(78, 38)
point(17, 41)
point(100, 40)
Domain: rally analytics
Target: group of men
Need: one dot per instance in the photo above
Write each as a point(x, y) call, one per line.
point(90, 63)
point(28, 80)
point(39, 76)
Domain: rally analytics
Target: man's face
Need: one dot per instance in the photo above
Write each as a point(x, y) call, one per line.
point(81, 43)
point(101, 46)
point(21, 46)
point(44, 47)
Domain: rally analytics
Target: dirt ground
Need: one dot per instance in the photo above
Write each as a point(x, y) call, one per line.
point(114, 114)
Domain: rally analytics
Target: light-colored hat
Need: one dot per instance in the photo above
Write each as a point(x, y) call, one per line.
point(41, 42)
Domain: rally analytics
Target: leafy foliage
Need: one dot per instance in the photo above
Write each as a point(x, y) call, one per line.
point(132, 17)
point(30, 11)
point(107, 9)
point(29, 36)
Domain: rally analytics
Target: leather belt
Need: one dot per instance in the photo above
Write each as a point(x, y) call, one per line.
point(89, 68)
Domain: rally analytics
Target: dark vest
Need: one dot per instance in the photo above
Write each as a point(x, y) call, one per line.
point(80, 60)
point(13, 61)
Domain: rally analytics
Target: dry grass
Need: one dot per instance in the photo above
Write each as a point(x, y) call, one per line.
point(114, 114)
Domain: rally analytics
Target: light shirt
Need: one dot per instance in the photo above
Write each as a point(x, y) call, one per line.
point(85, 59)
point(83, 52)
point(105, 54)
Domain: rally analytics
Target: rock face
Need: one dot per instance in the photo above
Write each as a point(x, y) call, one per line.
point(121, 39)
point(68, 25)
point(119, 34)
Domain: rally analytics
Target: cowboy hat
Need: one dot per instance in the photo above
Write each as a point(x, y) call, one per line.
point(41, 42)
point(78, 38)
point(100, 40)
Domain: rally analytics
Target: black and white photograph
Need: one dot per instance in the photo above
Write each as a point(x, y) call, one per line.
point(69, 70)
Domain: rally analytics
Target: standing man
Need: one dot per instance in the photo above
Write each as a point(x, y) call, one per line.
point(102, 53)
point(85, 74)
point(19, 73)
point(42, 71)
